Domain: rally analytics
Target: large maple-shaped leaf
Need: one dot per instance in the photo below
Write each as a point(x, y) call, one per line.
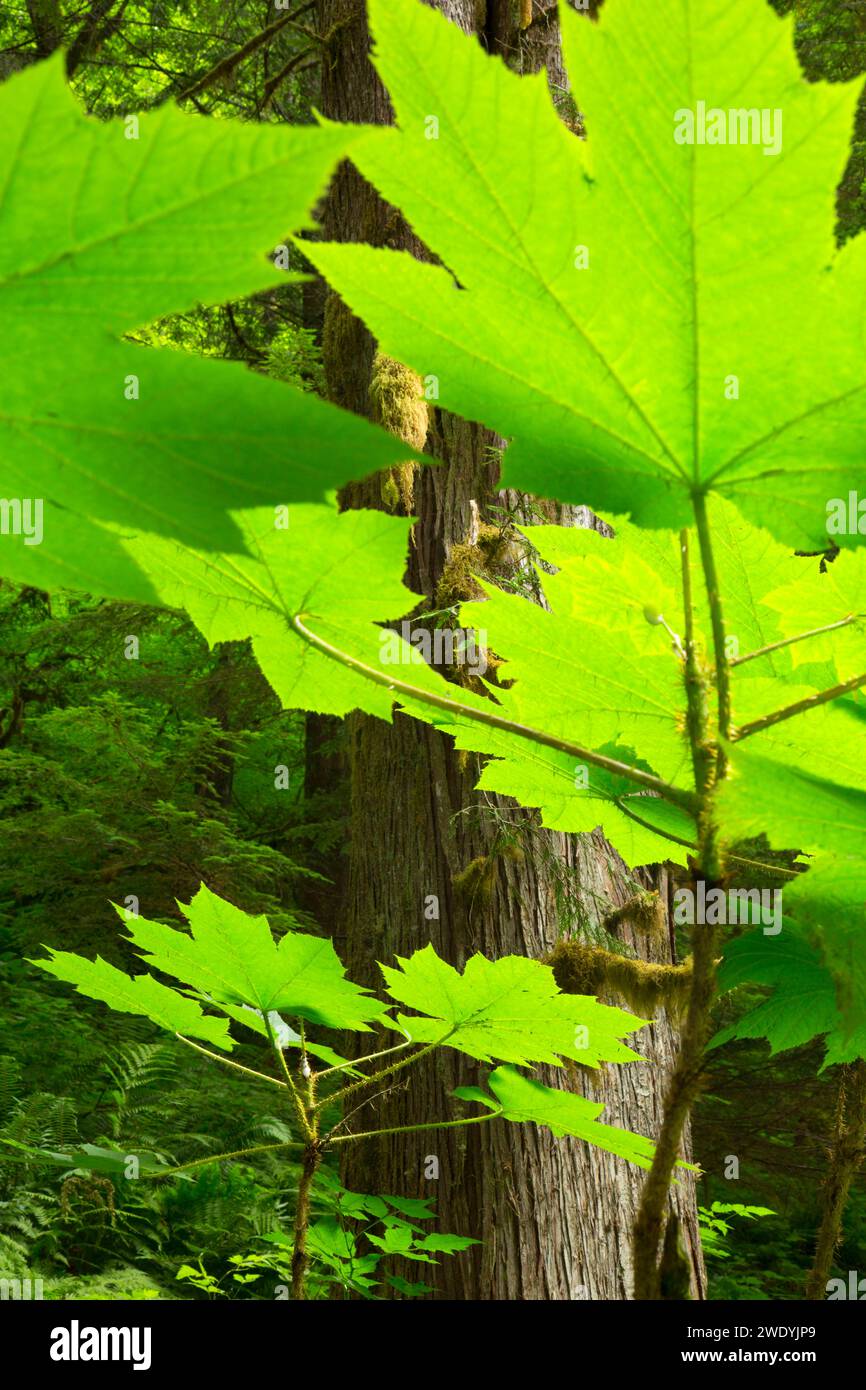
point(232, 957)
point(595, 299)
point(509, 1010)
point(803, 1003)
point(359, 558)
point(643, 827)
point(523, 1100)
point(101, 234)
point(141, 994)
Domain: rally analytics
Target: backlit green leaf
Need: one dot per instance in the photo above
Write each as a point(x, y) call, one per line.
point(508, 1009)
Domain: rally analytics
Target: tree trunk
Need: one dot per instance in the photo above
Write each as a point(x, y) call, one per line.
point(554, 1216)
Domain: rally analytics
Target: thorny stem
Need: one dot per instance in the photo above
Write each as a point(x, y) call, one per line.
point(300, 1108)
point(684, 1080)
point(717, 621)
point(312, 1159)
point(222, 1158)
point(789, 641)
point(358, 1061)
point(800, 707)
point(385, 1071)
point(227, 1062)
point(697, 718)
point(413, 1129)
point(679, 796)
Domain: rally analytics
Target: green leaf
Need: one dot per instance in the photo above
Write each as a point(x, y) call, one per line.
point(233, 958)
point(445, 1244)
point(579, 798)
point(355, 581)
point(416, 1290)
point(417, 1207)
point(592, 669)
point(595, 670)
point(803, 1003)
point(525, 1100)
point(829, 901)
point(101, 234)
point(140, 995)
point(779, 785)
point(285, 1036)
point(602, 690)
point(475, 1096)
point(509, 1009)
point(810, 602)
point(609, 370)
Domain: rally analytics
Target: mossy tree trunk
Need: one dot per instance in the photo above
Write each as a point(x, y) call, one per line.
point(554, 1217)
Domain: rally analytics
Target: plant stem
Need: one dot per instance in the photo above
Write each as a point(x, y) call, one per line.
point(801, 637)
point(378, 1075)
point(801, 707)
point(717, 621)
point(697, 719)
point(846, 1156)
point(681, 1093)
point(413, 1129)
point(684, 1082)
point(677, 795)
point(300, 1108)
point(359, 1061)
point(220, 1158)
point(227, 1062)
point(312, 1159)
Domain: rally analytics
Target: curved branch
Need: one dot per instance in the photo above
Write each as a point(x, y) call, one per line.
point(677, 795)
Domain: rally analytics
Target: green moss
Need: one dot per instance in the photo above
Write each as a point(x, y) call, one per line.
point(397, 400)
point(475, 882)
point(492, 555)
point(645, 911)
point(580, 968)
point(397, 404)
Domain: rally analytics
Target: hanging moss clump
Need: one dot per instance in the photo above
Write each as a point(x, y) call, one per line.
point(475, 882)
point(645, 911)
point(580, 968)
point(493, 554)
point(397, 404)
